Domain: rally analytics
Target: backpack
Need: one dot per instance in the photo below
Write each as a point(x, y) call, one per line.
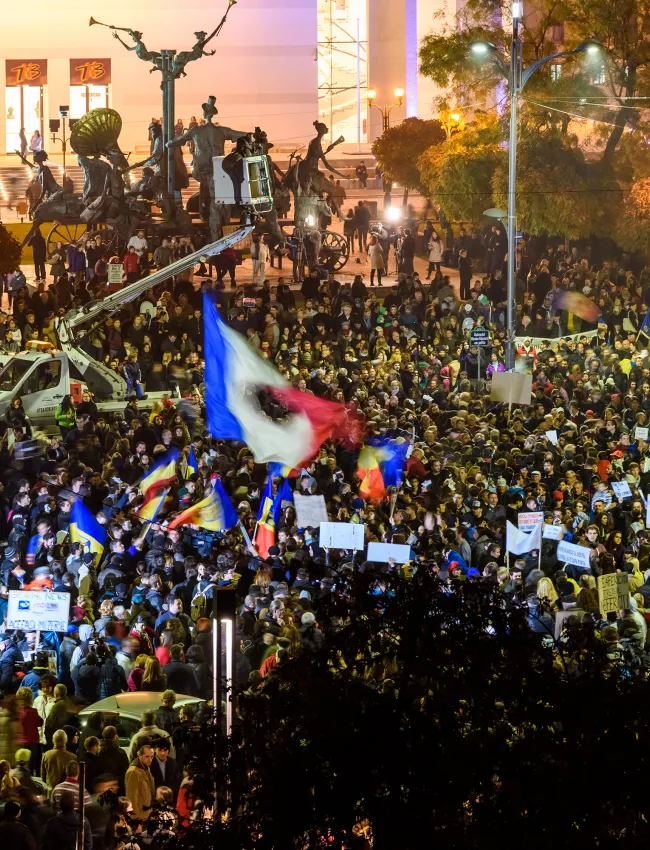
point(199, 606)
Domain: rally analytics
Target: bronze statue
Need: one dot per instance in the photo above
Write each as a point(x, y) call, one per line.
point(140, 50)
point(209, 141)
point(308, 173)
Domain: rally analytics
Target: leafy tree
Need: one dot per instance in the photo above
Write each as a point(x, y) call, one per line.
point(10, 251)
point(632, 227)
point(439, 719)
point(458, 174)
point(400, 147)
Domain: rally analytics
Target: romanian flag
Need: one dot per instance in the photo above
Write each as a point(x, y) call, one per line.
point(192, 465)
point(161, 475)
point(148, 512)
point(645, 326)
point(214, 513)
point(85, 529)
point(576, 303)
point(280, 470)
point(269, 514)
point(381, 465)
point(372, 485)
point(32, 548)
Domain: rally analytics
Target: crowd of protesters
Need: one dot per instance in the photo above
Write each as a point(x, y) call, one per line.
point(140, 612)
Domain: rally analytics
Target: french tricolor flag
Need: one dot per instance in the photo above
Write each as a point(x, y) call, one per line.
point(235, 373)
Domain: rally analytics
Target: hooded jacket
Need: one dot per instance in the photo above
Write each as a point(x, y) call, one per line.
point(61, 832)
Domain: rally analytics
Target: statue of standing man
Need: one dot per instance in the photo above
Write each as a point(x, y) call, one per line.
point(209, 141)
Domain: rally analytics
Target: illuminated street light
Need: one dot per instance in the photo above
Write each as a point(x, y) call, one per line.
point(371, 94)
point(393, 213)
point(517, 77)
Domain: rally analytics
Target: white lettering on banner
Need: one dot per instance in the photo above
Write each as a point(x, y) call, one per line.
point(621, 489)
point(382, 552)
point(310, 510)
point(572, 554)
point(342, 535)
point(30, 610)
point(528, 521)
point(613, 593)
point(552, 532)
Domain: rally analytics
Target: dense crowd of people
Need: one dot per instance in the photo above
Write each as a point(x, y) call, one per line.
point(140, 612)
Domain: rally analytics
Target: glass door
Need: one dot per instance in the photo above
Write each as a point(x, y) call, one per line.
point(24, 108)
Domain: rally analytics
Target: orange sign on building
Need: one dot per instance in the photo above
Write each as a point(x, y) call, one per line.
point(26, 72)
point(90, 72)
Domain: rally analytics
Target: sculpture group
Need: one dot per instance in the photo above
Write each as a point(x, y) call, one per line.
point(109, 198)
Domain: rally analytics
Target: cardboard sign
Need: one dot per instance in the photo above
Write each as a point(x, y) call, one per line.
point(26, 72)
point(552, 532)
point(621, 489)
point(310, 510)
point(528, 521)
point(342, 535)
point(381, 552)
point(572, 554)
point(30, 610)
point(115, 271)
point(561, 616)
point(90, 72)
point(641, 433)
point(613, 593)
point(551, 436)
point(512, 387)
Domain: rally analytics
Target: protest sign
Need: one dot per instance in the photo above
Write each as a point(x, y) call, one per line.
point(33, 610)
point(552, 532)
point(528, 521)
point(511, 387)
point(115, 272)
point(621, 489)
point(342, 535)
point(572, 554)
point(561, 616)
point(310, 510)
point(641, 433)
point(381, 552)
point(551, 436)
point(613, 593)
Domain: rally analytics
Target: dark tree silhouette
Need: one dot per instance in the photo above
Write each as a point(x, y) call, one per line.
point(439, 718)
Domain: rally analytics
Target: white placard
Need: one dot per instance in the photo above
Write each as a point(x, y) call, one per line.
point(572, 554)
point(621, 489)
point(115, 271)
point(552, 532)
point(552, 437)
point(381, 552)
point(646, 464)
point(30, 610)
point(342, 535)
point(528, 521)
point(641, 433)
point(310, 510)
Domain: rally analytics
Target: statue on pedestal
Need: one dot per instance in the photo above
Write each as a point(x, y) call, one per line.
point(209, 141)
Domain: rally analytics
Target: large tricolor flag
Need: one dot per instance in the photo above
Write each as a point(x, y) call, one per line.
point(214, 513)
point(381, 465)
point(234, 374)
point(161, 475)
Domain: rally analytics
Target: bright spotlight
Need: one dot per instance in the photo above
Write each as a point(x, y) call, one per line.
point(480, 48)
point(394, 213)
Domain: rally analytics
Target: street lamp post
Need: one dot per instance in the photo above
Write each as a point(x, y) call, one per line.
point(371, 94)
point(517, 77)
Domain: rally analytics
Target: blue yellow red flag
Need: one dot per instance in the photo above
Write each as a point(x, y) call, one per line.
point(214, 513)
point(161, 475)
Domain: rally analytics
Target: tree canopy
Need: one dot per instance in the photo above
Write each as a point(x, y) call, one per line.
point(434, 716)
point(576, 163)
point(400, 147)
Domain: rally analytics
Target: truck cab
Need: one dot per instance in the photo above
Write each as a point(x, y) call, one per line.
point(41, 379)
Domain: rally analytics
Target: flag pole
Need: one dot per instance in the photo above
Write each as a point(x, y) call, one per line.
point(245, 533)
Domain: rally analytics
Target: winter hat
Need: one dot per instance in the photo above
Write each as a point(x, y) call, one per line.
point(308, 619)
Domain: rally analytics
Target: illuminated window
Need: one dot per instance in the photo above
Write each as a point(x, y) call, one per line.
point(85, 98)
point(556, 71)
point(599, 77)
point(23, 100)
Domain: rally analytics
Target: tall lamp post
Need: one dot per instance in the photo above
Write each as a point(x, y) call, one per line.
point(371, 94)
point(517, 77)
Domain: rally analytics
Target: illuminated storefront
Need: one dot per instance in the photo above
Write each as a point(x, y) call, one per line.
point(89, 83)
point(24, 89)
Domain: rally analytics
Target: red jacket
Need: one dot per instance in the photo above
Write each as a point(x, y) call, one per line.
point(131, 263)
point(30, 722)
